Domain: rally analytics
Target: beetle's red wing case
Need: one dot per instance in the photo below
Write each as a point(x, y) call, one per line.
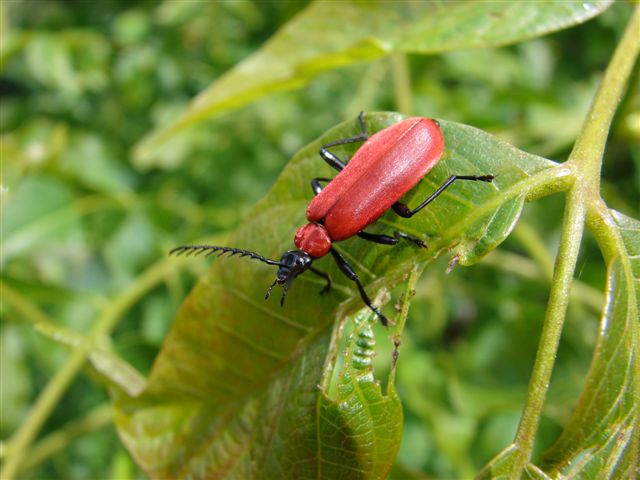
point(386, 167)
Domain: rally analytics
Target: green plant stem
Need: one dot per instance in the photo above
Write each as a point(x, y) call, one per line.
point(98, 418)
point(38, 319)
point(530, 269)
point(44, 405)
point(23, 306)
point(573, 228)
point(586, 162)
point(56, 387)
point(588, 151)
point(403, 313)
point(402, 83)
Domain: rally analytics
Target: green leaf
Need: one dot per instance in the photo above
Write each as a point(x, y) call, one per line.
point(73, 61)
point(602, 438)
point(330, 35)
point(360, 427)
point(28, 226)
point(234, 391)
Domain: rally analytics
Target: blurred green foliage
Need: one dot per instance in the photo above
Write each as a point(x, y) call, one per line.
point(82, 82)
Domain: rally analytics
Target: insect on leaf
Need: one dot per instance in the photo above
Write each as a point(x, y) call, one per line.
point(234, 392)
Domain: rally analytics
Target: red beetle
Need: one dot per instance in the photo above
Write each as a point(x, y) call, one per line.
point(384, 168)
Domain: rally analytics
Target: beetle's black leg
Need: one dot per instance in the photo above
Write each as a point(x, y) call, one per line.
point(389, 240)
point(331, 158)
point(315, 184)
point(326, 276)
point(349, 272)
point(404, 211)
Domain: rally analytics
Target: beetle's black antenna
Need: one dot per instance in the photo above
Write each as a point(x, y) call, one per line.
point(211, 249)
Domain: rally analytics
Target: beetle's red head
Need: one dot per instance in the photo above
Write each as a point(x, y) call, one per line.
point(292, 264)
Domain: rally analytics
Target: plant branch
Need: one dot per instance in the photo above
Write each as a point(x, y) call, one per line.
point(586, 162)
point(573, 228)
point(402, 308)
point(588, 151)
point(581, 292)
point(98, 418)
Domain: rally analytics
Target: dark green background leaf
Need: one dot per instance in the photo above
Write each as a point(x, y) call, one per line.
point(329, 35)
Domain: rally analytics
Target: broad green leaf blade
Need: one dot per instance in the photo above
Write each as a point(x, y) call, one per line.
point(234, 392)
point(328, 35)
point(489, 232)
point(270, 433)
point(360, 417)
point(602, 438)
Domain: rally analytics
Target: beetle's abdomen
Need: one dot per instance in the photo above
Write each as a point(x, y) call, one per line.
point(386, 167)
